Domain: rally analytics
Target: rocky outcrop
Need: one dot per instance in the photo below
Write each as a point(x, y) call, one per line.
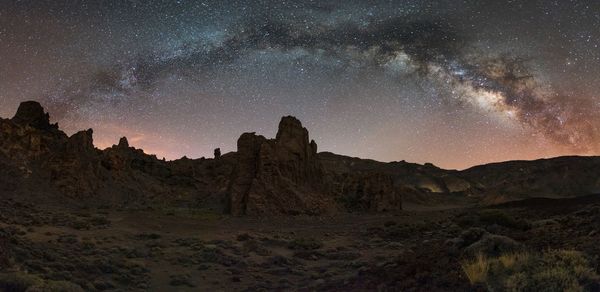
point(123, 143)
point(423, 185)
point(284, 175)
point(370, 192)
point(278, 176)
point(31, 113)
point(567, 176)
point(29, 134)
point(74, 168)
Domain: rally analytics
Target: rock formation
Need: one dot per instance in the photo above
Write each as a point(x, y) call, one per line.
point(31, 113)
point(279, 176)
point(123, 143)
point(368, 192)
point(284, 175)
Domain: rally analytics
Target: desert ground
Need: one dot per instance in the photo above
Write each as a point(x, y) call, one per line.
point(51, 248)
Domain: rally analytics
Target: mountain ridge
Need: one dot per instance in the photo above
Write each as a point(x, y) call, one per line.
point(283, 175)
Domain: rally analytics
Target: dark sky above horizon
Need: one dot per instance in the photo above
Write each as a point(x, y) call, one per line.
point(455, 83)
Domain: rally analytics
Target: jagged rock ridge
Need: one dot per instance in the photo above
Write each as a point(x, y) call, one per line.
point(284, 175)
point(264, 177)
point(281, 175)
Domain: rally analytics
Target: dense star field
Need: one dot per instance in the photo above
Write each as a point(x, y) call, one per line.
point(455, 83)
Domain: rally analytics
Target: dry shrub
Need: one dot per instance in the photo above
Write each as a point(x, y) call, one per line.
point(477, 269)
point(552, 270)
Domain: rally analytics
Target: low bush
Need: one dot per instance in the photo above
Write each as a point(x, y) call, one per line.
point(21, 282)
point(193, 213)
point(5, 251)
point(492, 216)
point(553, 270)
point(305, 244)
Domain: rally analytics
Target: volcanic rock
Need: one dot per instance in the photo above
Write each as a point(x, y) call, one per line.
point(372, 192)
point(29, 135)
point(278, 176)
point(284, 175)
point(123, 143)
point(81, 142)
point(31, 113)
point(265, 177)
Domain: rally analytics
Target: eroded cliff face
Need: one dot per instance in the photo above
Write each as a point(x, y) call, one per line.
point(284, 175)
point(264, 177)
point(69, 167)
point(29, 134)
point(367, 192)
point(279, 176)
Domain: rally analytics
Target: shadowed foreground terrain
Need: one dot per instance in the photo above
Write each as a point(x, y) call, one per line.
point(279, 215)
point(97, 249)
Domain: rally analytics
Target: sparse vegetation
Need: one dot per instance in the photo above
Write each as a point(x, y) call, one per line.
point(388, 252)
point(494, 216)
point(352, 202)
point(98, 220)
point(553, 270)
point(20, 281)
point(477, 270)
point(193, 213)
point(305, 244)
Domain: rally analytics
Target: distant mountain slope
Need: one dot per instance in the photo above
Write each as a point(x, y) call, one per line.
point(421, 184)
point(566, 176)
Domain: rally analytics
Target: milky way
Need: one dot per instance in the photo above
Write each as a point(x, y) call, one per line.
point(455, 83)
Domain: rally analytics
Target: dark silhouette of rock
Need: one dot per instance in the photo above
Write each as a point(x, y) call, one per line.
point(75, 169)
point(29, 134)
point(31, 113)
point(284, 175)
point(81, 142)
point(279, 176)
point(123, 143)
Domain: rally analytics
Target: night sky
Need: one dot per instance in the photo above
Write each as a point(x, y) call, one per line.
point(455, 83)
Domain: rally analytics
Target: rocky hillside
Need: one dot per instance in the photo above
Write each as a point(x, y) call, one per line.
point(559, 177)
point(265, 176)
point(284, 175)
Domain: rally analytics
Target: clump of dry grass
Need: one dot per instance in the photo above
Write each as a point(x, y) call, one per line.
point(510, 260)
point(552, 270)
point(477, 269)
